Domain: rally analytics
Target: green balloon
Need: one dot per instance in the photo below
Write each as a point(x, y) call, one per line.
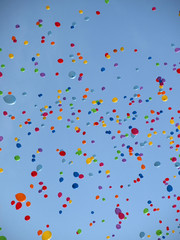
point(159, 232)
point(1, 93)
point(146, 210)
point(22, 69)
point(79, 231)
point(3, 238)
point(106, 1)
point(17, 158)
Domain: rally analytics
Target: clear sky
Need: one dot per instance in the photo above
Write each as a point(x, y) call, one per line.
point(89, 119)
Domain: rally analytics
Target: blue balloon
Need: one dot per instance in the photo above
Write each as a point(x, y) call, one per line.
point(72, 74)
point(18, 145)
point(169, 188)
point(61, 179)
point(76, 174)
point(10, 99)
point(39, 167)
point(75, 185)
point(142, 234)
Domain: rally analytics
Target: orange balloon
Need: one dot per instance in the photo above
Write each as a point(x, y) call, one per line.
point(28, 204)
point(39, 232)
point(21, 197)
point(97, 197)
point(143, 167)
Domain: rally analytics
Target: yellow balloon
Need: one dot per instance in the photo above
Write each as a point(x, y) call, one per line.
point(26, 42)
point(171, 121)
point(164, 98)
point(88, 160)
point(11, 56)
point(114, 100)
point(46, 235)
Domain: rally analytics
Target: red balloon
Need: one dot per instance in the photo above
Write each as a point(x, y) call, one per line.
point(121, 215)
point(134, 131)
point(18, 205)
point(62, 153)
point(57, 24)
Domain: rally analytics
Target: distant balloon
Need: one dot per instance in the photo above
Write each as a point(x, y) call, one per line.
point(18, 205)
point(46, 235)
point(134, 131)
point(121, 215)
point(10, 99)
point(21, 197)
point(39, 167)
point(117, 211)
point(3, 238)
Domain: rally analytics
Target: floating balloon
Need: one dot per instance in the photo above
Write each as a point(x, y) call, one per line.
point(21, 197)
point(39, 167)
point(10, 99)
point(142, 234)
point(3, 238)
point(117, 211)
point(134, 131)
point(46, 235)
point(114, 100)
point(18, 205)
point(72, 74)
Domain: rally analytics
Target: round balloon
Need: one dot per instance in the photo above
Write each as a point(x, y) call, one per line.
point(3, 238)
point(10, 99)
point(46, 235)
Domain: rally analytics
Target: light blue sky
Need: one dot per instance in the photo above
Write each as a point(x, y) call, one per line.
point(122, 23)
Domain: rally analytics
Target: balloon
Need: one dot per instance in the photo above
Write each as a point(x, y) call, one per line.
point(3, 238)
point(18, 205)
point(10, 99)
point(46, 235)
point(21, 197)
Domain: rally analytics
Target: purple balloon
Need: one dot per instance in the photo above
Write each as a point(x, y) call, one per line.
point(118, 226)
point(177, 50)
point(1, 138)
point(118, 210)
point(42, 74)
